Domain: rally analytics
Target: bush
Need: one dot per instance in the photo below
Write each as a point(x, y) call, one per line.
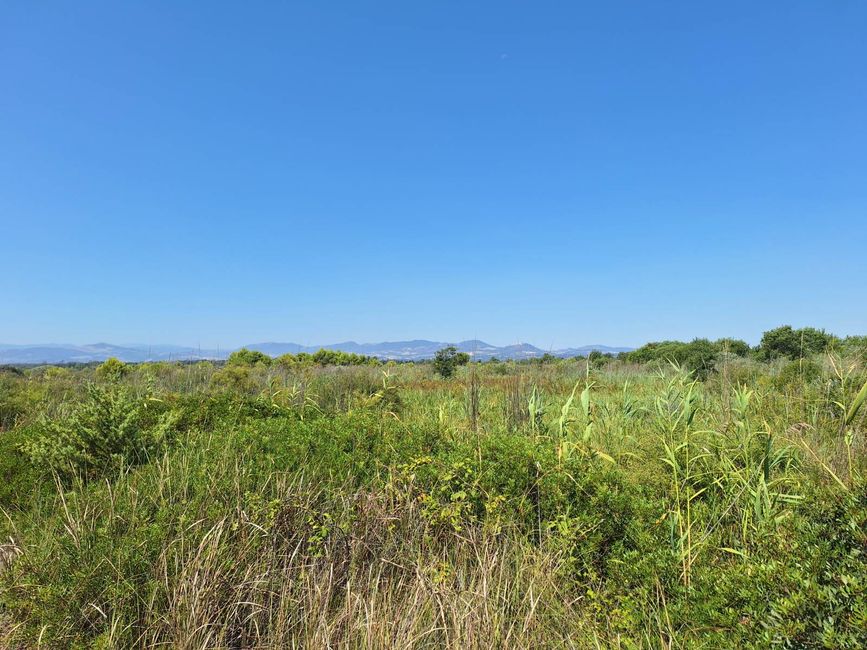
point(112, 369)
point(734, 347)
point(237, 379)
point(325, 357)
point(803, 588)
point(108, 429)
point(245, 357)
point(856, 346)
point(793, 344)
point(19, 478)
point(598, 359)
point(797, 373)
point(338, 389)
point(13, 401)
point(699, 356)
point(448, 359)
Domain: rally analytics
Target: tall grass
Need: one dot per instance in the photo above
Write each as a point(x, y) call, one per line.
point(513, 506)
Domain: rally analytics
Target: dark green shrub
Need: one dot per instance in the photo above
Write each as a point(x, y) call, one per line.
point(856, 346)
point(598, 359)
point(793, 344)
point(734, 347)
point(805, 587)
point(699, 356)
point(19, 478)
point(211, 411)
point(797, 373)
point(337, 389)
point(448, 359)
point(13, 402)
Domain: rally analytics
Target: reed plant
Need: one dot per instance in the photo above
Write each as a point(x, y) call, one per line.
point(559, 505)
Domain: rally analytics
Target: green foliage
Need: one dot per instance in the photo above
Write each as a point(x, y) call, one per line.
point(699, 356)
point(112, 369)
point(245, 357)
point(855, 346)
point(20, 480)
point(856, 404)
point(236, 378)
point(598, 359)
point(447, 361)
point(590, 504)
point(14, 403)
point(793, 343)
point(324, 357)
point(735, 347)
point(295, 361)
point(110, 429)
point(797, 373)
point(804, 587)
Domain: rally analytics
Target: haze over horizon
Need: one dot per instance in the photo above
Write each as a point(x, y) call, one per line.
point(562, 174)
point(412, 350)
point(314, 344)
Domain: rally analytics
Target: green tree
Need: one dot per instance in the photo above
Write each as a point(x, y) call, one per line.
point(597, 359)
point(793, 343)
point(699, 356)
point(856, 345)
point(779, 342)
point(448, 359)
point(814, 341)
point(245, 357)
point(324, 357)
point(736, 347)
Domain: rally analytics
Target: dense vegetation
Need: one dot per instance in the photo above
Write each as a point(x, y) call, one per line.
point(698, 494)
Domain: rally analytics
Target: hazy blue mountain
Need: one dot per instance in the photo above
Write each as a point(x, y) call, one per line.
point(398, 350)
point(64, 353)
point(477, 348)
point(587, 349)
point(276, 349)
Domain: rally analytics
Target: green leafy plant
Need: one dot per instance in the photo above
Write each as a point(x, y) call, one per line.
point(107, 430)
point(112, 369)
point(447, 361)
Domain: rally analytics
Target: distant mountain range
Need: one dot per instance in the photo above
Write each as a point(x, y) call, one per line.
point(398, 350)
point(62, 353)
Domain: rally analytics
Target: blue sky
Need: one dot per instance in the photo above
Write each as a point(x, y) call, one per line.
point(560, 173)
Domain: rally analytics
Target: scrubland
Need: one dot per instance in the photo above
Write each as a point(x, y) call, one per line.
point(570, 504)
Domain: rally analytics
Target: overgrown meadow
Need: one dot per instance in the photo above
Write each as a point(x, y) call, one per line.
point(627, 503)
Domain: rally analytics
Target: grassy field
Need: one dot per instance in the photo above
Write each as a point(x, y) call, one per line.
point(559, 505)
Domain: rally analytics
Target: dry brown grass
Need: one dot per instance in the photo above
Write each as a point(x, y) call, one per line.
point(387, 580)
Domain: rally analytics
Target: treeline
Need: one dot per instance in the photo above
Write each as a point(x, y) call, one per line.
point(699, 355)
point(323, 357)
point(702, 355)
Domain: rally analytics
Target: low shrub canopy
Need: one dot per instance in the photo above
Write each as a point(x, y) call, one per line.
point(794, 343)
point(699, 356)
point(575, 503)
point(108, 429)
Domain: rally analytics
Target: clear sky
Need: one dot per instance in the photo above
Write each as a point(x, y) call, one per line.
point(561, 173)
